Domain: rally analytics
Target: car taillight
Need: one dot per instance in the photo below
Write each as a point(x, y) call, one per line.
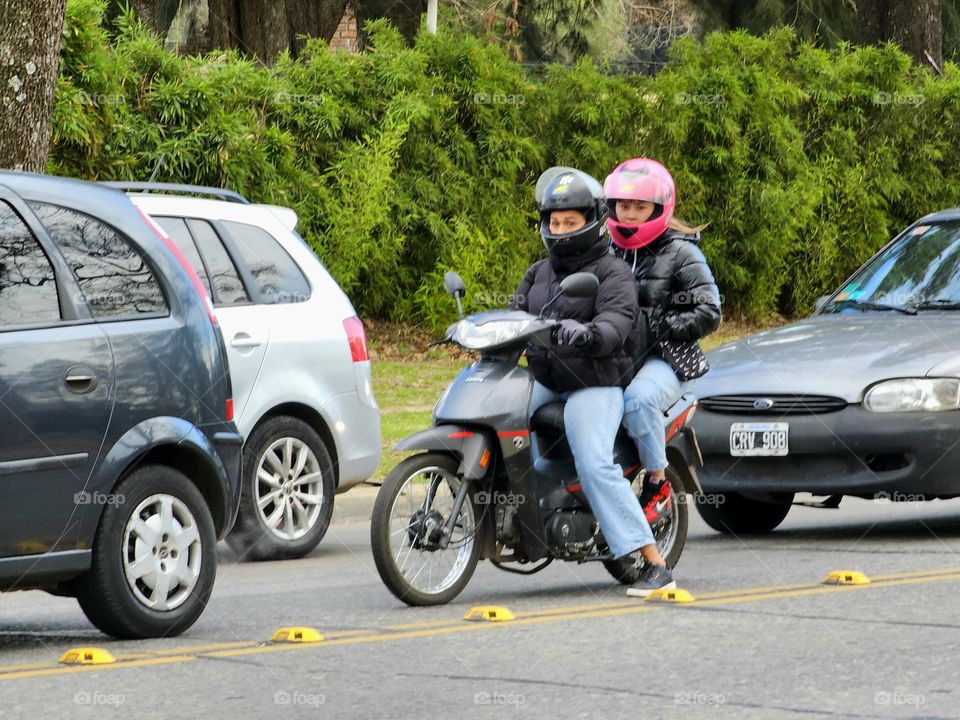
point(194, 278)
point(229, 409)
point(356, 338)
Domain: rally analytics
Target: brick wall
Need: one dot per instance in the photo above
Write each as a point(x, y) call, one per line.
point(346, 38)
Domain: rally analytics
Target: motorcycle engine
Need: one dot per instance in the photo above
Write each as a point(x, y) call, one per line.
point(571, 530)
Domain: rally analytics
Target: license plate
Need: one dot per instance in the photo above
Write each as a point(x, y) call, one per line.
point(749, 439)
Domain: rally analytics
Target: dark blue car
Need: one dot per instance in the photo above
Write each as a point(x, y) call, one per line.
point(119, 460)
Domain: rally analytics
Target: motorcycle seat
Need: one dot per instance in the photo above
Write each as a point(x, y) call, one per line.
point(548, 418)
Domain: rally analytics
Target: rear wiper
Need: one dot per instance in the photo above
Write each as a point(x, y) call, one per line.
point(938, 305)
point(861, 305)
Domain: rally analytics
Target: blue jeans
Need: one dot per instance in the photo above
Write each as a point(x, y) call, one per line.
point(592, 418)
point(654, 389)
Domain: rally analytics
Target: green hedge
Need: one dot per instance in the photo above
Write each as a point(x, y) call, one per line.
point(406, 162)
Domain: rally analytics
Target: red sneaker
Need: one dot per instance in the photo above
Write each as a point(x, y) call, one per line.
point(656, 499)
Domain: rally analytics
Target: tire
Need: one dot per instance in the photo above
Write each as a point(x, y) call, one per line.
point(389, 519)
point(120, 607)
point(739, 515)
point(671, 538)
point(300, 526)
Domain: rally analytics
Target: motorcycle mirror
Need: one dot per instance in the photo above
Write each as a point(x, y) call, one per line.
point(581, 284)
point(453, 284)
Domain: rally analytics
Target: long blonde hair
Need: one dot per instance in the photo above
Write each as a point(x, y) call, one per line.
point(681, 226)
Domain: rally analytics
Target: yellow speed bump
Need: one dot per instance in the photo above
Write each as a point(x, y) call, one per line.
point(846, 577)
point(87, 656)
point(488, 613)
point(672, 595)
point(297, 635)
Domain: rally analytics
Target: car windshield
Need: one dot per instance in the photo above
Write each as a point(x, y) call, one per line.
point(920, 272)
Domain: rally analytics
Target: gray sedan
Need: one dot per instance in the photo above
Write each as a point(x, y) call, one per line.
point(860, 399)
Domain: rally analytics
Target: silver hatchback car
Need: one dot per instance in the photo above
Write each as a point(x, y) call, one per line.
point(298, 360)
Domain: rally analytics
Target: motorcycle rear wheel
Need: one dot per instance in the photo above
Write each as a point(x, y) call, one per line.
point(670, 532)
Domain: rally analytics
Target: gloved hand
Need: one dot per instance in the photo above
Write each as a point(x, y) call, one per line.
point(573, 333)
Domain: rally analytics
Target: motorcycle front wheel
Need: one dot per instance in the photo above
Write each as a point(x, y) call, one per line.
point(670, 532)
point(409, 515)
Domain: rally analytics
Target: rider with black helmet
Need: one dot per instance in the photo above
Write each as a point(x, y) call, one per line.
point(592, 361)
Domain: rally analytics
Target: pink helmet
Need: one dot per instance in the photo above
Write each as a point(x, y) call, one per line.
point(640, 179)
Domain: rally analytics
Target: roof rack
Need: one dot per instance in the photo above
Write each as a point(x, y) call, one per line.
point(148, 187)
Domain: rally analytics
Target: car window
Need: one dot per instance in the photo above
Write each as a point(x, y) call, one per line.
point(277, 276)
point(922, 267)
point(176, 228)
point(228, 289)
point(115, 278)
point(28, 288)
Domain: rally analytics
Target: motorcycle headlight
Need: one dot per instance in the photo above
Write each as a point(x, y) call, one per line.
point(914, 395)
point(495, 332)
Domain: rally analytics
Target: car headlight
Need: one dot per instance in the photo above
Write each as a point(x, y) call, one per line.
point(914, 395)
point(495, 332)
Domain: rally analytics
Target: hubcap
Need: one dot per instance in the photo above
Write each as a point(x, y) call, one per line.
point(289, 488)
point(162, 552)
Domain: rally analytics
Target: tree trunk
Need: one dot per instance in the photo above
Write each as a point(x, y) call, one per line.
point(312, 18)
point(915, 25)
point(29, 61)
point(265, 28)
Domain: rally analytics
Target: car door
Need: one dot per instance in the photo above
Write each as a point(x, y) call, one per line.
point(56, 390)
point(245, 327)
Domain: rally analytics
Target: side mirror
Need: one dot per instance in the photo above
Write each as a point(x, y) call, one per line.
point(821, 301)
point(454, 285)
point(581, 284)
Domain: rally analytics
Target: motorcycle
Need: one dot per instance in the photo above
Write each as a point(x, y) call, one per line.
point(492, 482)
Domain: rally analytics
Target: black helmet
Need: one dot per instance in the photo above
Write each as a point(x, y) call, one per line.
point(564, 188)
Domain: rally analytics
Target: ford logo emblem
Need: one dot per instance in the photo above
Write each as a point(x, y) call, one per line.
point(762, 404)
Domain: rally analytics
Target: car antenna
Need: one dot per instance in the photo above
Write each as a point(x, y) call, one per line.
point(156, 170)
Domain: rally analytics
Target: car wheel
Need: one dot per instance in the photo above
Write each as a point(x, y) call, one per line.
point(154, 557)
point(739, 515)
point(288, 489)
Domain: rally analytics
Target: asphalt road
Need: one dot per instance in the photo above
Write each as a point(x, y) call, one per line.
point(763, 640)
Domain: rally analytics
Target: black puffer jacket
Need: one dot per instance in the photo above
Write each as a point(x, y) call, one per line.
point(608, 359)
point(676, 291)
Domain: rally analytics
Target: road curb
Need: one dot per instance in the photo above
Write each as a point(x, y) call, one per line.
point(354, 505)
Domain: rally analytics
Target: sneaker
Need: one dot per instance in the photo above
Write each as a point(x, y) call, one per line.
point(652, 577)
point(656, 499)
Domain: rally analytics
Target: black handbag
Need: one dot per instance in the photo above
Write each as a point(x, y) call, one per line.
point(685, 358)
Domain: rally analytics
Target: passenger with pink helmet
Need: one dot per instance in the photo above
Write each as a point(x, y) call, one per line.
point(679, 303)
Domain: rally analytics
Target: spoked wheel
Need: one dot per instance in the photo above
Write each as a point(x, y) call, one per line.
point(669, 531)
point(409, 517)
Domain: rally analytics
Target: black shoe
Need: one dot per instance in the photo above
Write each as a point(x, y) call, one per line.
point(652, 577)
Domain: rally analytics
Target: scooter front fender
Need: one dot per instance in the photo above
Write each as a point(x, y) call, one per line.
point(474, 447)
